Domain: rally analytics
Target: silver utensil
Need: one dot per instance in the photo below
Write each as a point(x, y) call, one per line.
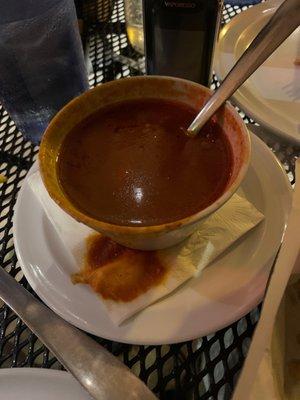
point(285, 20)
point(98, 371)
point(267, 135)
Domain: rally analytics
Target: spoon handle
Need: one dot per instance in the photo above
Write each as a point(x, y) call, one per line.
point(98, 371)
point(285, 20)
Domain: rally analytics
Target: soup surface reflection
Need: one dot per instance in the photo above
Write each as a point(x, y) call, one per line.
point(131, 164)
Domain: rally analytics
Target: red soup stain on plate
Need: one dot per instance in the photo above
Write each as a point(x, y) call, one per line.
point(118, 273)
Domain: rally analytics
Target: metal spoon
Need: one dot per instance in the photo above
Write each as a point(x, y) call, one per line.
point(98, 371)
point(285, 20)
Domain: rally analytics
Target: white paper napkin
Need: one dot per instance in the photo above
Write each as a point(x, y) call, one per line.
point(184, 261)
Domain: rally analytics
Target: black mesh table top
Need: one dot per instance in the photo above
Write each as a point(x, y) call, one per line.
point(205, 368)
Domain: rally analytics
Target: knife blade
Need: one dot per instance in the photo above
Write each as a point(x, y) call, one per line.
point(98, 371)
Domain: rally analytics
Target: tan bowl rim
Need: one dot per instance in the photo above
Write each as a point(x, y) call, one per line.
point(70, 208)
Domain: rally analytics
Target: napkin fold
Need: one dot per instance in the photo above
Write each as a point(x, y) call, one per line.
point(184, 261)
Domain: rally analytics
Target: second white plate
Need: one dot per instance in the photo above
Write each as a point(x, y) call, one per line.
point(271, 96)
point(39, 384)
point(227, 289)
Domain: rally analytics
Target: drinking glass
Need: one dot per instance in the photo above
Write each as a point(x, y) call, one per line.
point(42, 64)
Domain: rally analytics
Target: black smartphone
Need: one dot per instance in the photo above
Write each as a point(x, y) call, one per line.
point(180, 37)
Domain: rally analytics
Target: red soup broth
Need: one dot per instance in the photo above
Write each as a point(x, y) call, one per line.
point(131, 164)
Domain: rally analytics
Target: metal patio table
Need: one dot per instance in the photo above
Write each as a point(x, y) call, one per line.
point(205, 368)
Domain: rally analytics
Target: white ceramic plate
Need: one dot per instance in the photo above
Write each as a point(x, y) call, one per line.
point(39, 384)
point(227, 289)
point(271, 96)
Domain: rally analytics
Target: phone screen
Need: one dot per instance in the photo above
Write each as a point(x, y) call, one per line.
point(179, 38)
point(179, 52)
